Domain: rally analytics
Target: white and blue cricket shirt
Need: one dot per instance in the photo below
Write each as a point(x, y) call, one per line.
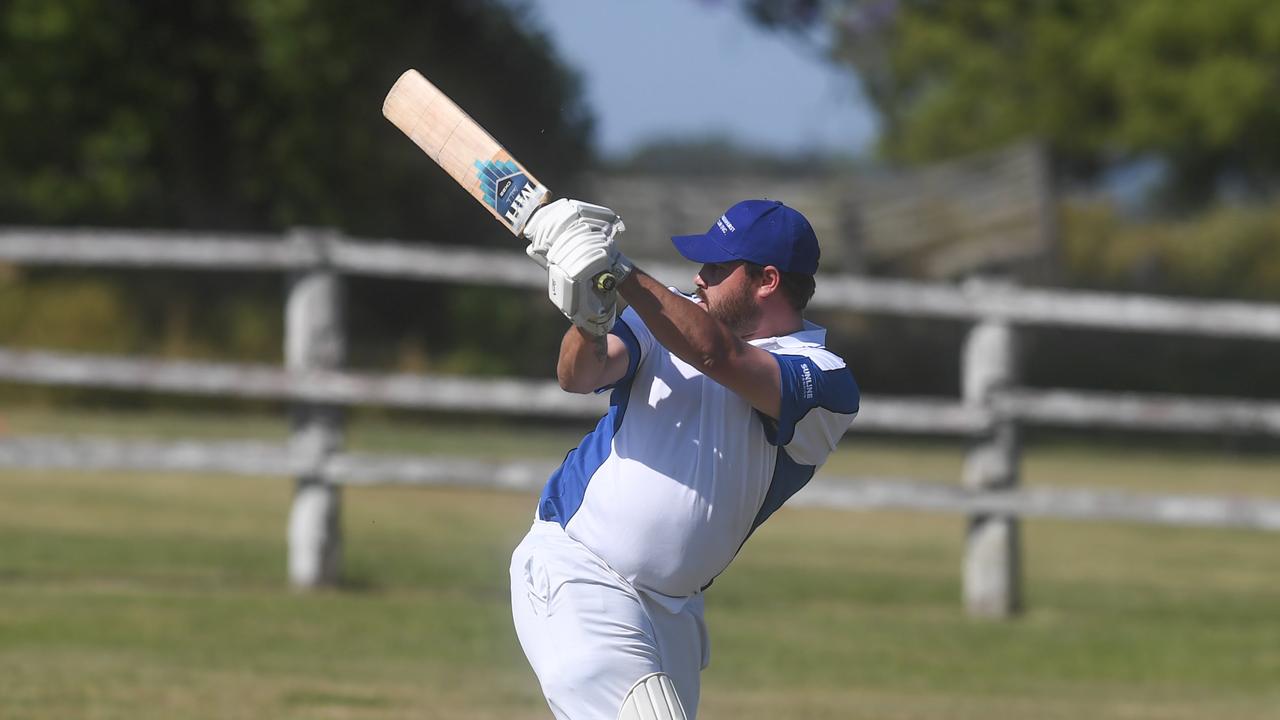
point(682, 470)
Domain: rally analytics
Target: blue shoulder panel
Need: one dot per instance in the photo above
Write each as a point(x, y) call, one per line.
point(804, 387)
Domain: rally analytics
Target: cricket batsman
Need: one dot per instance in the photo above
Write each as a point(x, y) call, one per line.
point(722, 405)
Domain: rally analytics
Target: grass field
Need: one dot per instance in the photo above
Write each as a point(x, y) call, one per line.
point(154, 596)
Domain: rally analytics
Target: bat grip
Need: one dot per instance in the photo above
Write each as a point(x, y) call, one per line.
point(605, 282)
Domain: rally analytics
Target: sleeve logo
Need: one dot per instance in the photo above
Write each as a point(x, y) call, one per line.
point(806, 381)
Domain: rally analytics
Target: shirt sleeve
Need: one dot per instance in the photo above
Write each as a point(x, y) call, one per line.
point(819, 401)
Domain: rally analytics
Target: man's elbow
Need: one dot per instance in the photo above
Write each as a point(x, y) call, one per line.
point(574, 384)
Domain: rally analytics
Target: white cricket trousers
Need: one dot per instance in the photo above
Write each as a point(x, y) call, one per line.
point(590, 635)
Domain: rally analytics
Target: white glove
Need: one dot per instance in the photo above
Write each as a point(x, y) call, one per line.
point(576, 257)
point(575, 242)
point(592, 304)
point(551, 221)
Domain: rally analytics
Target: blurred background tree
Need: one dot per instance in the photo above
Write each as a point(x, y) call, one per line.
point(255, 114)
point(262, 115)
point(1191, 86)
point(1160, 119)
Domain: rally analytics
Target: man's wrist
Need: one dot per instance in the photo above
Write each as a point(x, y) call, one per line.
point(600, 347)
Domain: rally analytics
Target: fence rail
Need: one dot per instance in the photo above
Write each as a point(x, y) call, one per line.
point(990, 414)
point(851, 493)
point(976, 300)
point(507, 396)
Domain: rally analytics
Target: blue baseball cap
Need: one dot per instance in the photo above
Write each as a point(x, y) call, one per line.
point(764, 232)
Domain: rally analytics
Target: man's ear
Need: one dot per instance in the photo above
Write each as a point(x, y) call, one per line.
point(770, 281)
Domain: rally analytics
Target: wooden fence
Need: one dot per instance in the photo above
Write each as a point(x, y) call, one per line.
point(990, 413)
point(990, 211)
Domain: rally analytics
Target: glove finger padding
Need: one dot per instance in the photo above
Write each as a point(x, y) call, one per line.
point(546, 225)
point(550, 225)
point(559, 215)
point(537, 255)
point(589, 211)
point(582, 250)
point(599, 217)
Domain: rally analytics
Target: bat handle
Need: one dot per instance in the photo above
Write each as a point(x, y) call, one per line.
point(605, 282)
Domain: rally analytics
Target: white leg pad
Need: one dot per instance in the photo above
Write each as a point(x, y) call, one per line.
point(653, 697)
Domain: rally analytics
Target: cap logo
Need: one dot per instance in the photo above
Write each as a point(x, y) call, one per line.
point(725, 226)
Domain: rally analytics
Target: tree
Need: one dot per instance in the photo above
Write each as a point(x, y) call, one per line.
point(259, 114)
point(1190, 84)
point(266, 114)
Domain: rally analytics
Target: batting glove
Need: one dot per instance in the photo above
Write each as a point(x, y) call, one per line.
point(552, 221)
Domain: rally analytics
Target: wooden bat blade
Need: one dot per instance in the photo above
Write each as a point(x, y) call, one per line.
point(459, 145)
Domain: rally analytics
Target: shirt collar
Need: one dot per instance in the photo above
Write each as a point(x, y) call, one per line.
point(810, 335)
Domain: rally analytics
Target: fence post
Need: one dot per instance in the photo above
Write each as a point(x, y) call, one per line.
point(314, 340)
point(991, 560)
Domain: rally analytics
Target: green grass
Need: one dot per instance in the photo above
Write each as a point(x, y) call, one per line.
point(154, 596)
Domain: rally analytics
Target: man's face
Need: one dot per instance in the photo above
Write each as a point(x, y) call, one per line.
point(728, 292)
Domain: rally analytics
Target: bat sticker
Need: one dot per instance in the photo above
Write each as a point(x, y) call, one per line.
point(506, 188)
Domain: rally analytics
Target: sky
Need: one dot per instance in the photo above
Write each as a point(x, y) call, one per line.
point(666, 68)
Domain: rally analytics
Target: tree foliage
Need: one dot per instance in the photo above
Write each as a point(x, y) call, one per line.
point(262, 114)
point(1192, 84)
point(1226, 252)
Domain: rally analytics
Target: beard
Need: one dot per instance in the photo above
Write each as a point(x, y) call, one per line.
point(736, 310)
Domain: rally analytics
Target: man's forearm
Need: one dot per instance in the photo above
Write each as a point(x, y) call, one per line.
point(679, 325)
point(582, 360)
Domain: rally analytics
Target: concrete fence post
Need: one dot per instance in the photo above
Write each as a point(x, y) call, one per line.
point(991, 558)
point(314, 340)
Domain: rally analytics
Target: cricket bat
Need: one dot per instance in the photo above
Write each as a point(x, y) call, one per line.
point(469, 154)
